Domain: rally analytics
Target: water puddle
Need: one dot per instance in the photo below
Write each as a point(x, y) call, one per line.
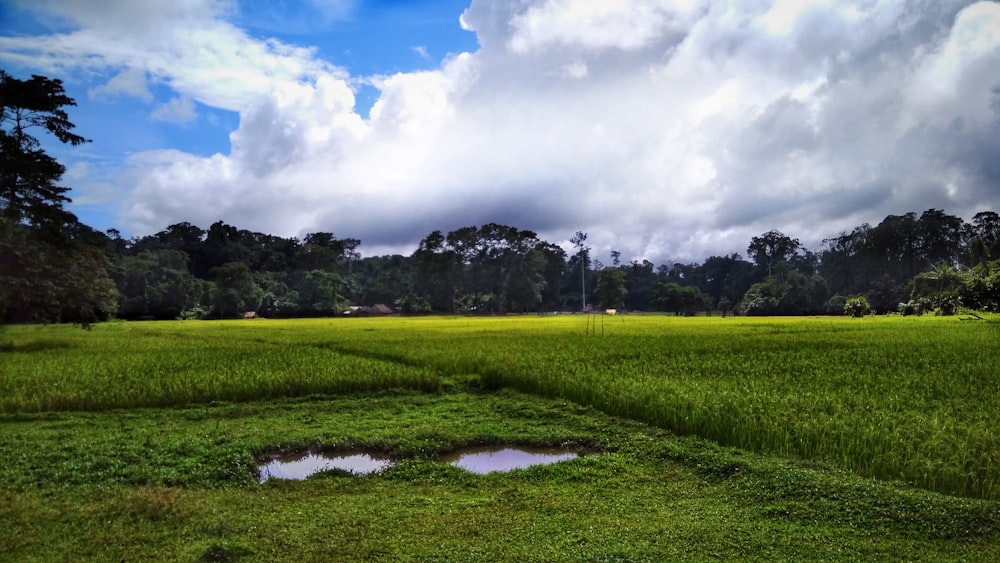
point(300, 465)
point(487, 459)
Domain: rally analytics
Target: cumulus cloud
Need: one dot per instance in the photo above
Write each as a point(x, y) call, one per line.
point(668, 130)
point(186, 45)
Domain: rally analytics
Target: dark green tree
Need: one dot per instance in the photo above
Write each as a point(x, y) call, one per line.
point(156, 285)
point(438, 273)
point(46, 282)
point(236, 292)
point(579, 240)
point(52, 268)
point(680, 299)
point(553, 270)
point(318, 293)
point(940, 238)
point(772, 248)
point(986, 226)
point(29, 190)
point(610, 290)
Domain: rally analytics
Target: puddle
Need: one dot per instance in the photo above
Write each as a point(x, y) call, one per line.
point(301, 465)
point(503, 458)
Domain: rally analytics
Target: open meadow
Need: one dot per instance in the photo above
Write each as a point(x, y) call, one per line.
point(703, 437)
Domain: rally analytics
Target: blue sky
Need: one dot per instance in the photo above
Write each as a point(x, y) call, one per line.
point(366, 38)
point(668, 130)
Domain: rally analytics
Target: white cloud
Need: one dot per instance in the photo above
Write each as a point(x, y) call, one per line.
point(421, 52)
point(575, 69)
point(619, 24)
point(129, 82)
point(955, 78)
point(177, 110)
point(184, 44)
point(667, 130)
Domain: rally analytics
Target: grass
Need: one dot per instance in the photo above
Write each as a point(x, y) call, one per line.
point(179, 484)
point(895, 398)
point(732, 438)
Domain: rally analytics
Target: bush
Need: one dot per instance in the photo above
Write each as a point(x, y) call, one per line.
point(835, 305)
point(857, 306)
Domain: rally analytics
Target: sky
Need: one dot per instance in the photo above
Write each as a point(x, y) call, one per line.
point(668, 130)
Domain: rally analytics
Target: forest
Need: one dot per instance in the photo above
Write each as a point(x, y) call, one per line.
point(54, 268)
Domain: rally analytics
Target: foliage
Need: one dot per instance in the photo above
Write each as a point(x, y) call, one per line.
point(318, 293)
point(792, 293)
point(981, 290)
point(49, 281)
point(501, 269)
point(835, 305)
point(235, 292)
point(772, 248)
point(610, 291)
point(681, 300)
point(157, 285)
point(50, 268)
point(857, 306)
point(28, 176)
point(489, 269)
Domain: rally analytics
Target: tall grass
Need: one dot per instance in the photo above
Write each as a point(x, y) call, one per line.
point(904, 398)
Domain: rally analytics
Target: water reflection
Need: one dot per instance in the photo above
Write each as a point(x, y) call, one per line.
point(487, 459)
point(301, 465)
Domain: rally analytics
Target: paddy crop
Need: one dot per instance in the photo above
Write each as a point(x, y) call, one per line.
point(895, 398)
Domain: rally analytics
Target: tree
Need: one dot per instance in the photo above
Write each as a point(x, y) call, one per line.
point(236, 292)
point(317, 292)
point(610, 291)
point(793, 294)
point(525, 282)
point(44, 282)
point(895, 249)
point(640, 280)
point(28, 176)
point(437, 273)
point(939, 287)
point(940, 237)
point(986, 227)
point(680, 299)
point(552, 271)
point(857, 307)
point(156, 285)
point(52, 268)
point(323, 251)
point(772, 248)
point(578, 241)
point(725, 277)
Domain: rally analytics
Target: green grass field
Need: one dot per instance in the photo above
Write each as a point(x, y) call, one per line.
point(790, 438)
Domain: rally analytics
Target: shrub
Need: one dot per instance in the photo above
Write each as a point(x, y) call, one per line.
point(857, 306)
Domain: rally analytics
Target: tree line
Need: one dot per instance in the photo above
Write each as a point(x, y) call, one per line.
point(53, 268)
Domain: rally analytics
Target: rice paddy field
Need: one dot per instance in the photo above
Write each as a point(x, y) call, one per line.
point(799, 438)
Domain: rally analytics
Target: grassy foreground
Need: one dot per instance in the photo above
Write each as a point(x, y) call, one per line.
point(180, 484)
point(912, 399)
point(141, 441)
